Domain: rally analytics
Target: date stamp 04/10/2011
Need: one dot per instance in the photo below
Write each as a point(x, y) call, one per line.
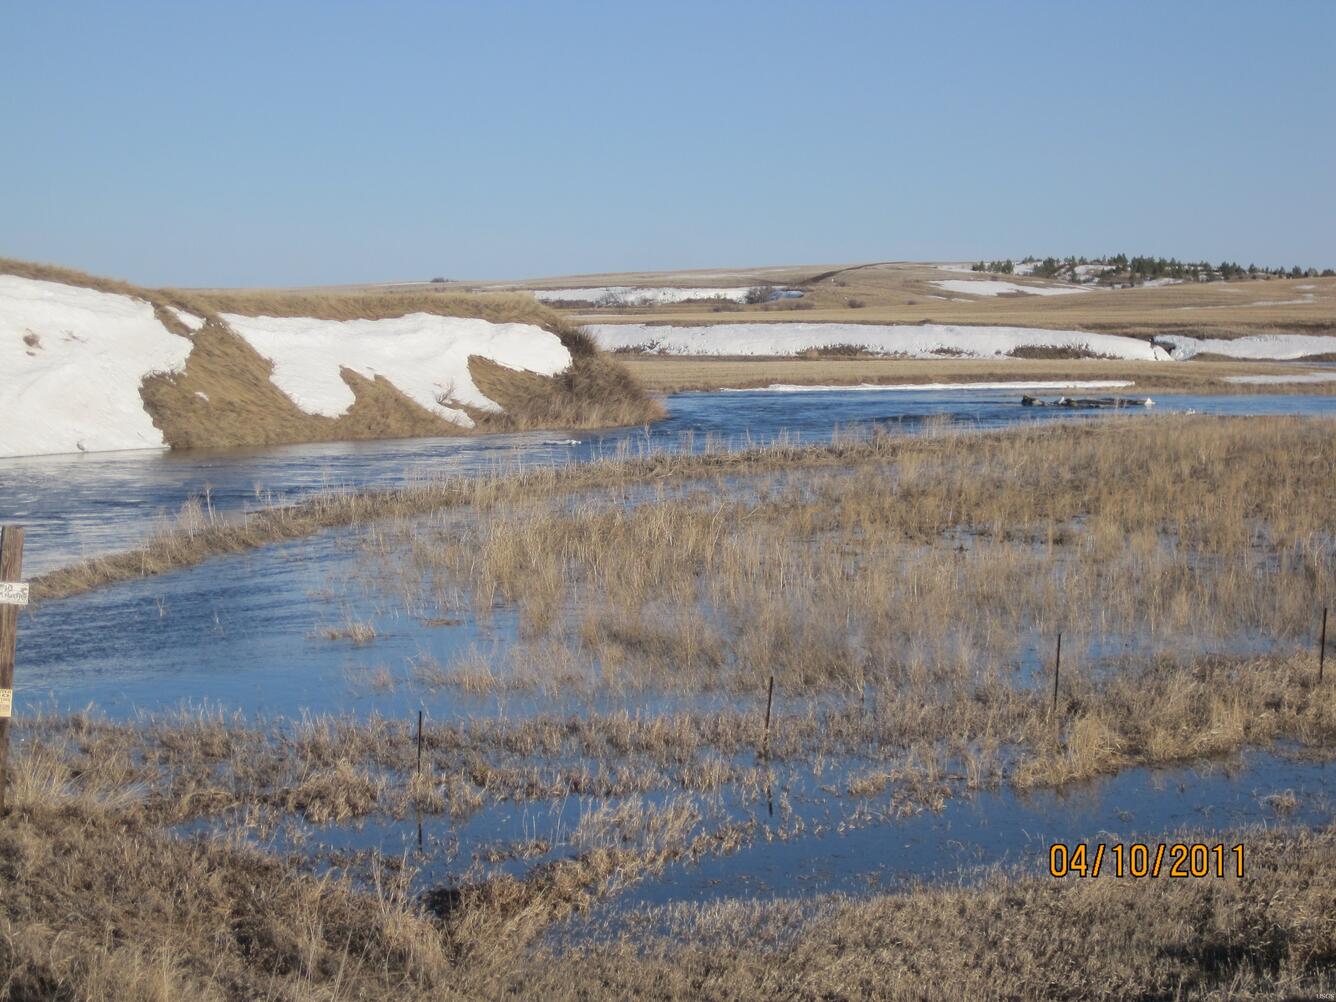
point(1142, 859)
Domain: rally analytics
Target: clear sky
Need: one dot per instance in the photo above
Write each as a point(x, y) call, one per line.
point(236, 143)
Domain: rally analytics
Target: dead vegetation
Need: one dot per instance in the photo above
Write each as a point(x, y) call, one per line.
point(101, 903)
point(97, 907)
point(1172, 537)
point(1269, 935)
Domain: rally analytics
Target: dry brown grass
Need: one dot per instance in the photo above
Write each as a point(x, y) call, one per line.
point(1271, 934)
point(99, 903)
point(83, 852)
point(1176, 534)
point(668, 374)
point(596, 392)
point(498, 307)
point(97, 907)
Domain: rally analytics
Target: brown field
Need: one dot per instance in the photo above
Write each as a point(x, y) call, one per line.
point(674, 374)
point(900, 293)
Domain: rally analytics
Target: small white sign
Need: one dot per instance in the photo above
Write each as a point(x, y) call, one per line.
point(6, 703)
point(13, 593)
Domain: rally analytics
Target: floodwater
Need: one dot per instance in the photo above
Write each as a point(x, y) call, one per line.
point(247, 632)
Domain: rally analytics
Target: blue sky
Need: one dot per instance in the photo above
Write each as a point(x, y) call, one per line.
point(302, 143)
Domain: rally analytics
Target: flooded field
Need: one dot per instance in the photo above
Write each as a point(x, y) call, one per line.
point(593, 667)
point(78, 505)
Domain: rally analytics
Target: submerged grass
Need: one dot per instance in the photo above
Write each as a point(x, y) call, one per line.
point(1184, 461)
point(1271, 934)
point(100, 903)
point(890, 561)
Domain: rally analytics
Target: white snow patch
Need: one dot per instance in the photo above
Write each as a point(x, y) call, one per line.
point(424, 355)
point(1155, 283)
point(1311, 377)
point(994, 287)
point(191, 321)
point(627, 295)
point(202, 395)
point(1307, 297)
point(1070, 384)
point(1272, 346)
point(903, 340)
point(71, 364)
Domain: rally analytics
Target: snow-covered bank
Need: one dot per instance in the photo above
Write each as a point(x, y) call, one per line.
point(71, 364)
point(905, 341)
point(996, 287)
point(1311, 377)
point(424, 355)
point(1014, 384)
point(75, 368)
point(1278, 347)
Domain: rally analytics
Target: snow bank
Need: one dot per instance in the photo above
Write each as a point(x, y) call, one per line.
point(1269, 346)
point(996, 287)
point(626, 295)
point(71, 364)
point(191, 321)
point(425, 356)
point(1311, 377)
point(910, 341)
point(1013, 384)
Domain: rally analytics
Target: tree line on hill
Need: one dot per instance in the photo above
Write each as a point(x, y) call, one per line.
point(1120, 269)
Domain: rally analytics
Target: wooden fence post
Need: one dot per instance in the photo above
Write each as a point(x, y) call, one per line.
point(13, 594)
point(1322, 647)
point(765, 739)
point(1057, 669)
